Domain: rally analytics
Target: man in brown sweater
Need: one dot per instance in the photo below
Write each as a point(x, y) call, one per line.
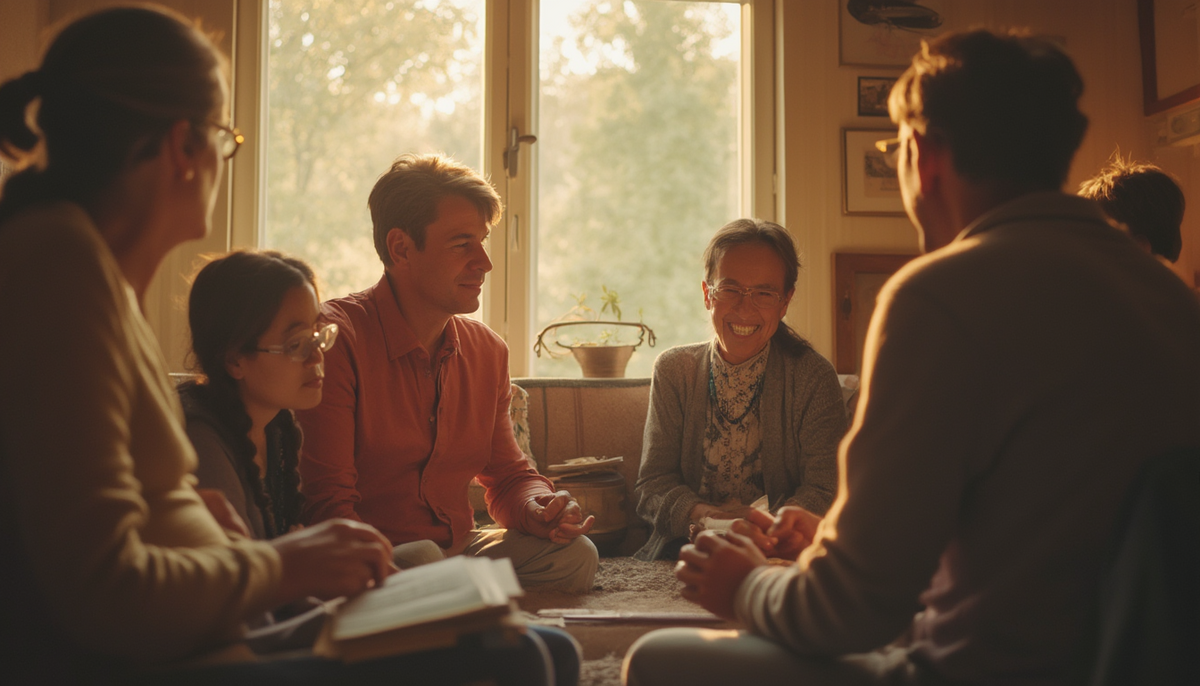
point(1015, 381)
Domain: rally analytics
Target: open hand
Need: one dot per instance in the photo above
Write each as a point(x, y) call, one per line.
point(556, 516)
point(714, 567)
point(335, 558)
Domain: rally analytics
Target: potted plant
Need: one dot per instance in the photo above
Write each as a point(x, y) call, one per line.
point(602, 352)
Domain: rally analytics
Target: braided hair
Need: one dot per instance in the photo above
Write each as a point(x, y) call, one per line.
point(233, 301)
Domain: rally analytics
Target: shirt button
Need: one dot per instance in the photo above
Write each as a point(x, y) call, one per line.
point(432, 419)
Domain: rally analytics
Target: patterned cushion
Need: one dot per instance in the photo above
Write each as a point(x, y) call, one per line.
point(519, 411)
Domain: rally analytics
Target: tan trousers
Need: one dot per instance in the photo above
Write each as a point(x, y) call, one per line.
point(539, 563)
point(707, 656)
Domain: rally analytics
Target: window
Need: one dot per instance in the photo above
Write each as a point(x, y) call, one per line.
point(637, 163)
point(351, 84)
point(653, 118)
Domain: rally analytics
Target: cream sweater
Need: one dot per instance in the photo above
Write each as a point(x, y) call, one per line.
point(109, 551)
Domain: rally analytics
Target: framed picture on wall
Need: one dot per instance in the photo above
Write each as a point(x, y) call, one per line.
point(869, 182)
point(873, 94)
point(857, 279)
point(888, 34)
point(1170, 38)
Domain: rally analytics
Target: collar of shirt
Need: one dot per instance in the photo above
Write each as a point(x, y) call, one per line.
point(1047, 205)
point(398, 335)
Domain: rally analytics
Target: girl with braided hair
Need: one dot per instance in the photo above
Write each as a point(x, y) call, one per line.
point(259, 350)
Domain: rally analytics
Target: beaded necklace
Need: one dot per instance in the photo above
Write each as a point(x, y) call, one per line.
point(716, 403)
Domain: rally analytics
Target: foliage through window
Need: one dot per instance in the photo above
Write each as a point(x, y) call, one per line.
point(352, 84)
point(636, 160)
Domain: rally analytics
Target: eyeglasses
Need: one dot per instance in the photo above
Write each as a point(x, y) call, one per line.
point(301, 347)
point(731, 295)
point(890, 147)
point(228, 140)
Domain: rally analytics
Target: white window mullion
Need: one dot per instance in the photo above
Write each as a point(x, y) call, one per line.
point(511, 80)
point(758, 109)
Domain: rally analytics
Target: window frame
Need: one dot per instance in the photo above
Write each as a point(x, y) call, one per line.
point(509, 304)
point(510, 91)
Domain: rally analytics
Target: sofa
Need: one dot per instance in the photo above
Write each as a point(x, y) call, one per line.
point(558, 419)
point(569, 418)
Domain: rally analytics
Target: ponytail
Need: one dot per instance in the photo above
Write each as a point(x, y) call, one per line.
point(17, 140)
point(109, 88)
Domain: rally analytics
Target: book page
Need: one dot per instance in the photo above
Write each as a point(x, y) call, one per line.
point(444, 589)
point(506, 576)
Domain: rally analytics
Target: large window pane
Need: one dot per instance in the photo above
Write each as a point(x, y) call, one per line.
point(351, 85)
point(638, 161)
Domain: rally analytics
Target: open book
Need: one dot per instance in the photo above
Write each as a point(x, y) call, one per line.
point(423, 608)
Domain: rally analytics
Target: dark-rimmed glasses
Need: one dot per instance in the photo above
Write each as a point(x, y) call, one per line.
point(300, 348)
point(761, 298)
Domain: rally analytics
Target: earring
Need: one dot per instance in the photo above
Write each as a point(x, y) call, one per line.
point(189, 175)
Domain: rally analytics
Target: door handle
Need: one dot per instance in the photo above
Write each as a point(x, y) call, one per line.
point(513, 151)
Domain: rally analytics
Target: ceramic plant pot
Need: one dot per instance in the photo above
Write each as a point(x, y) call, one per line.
point(598, 361)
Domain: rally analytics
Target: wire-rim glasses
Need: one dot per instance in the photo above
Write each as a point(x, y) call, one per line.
point(761, 298)
point(229, 140)
point(301, 347)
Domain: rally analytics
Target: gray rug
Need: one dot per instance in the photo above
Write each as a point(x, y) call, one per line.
point(622, 584)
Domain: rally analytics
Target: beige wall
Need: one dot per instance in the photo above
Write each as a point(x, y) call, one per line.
point(819, 100)
point(1184, 164)
point(20, 22)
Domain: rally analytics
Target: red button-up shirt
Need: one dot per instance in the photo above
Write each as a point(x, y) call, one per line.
point(394, 446)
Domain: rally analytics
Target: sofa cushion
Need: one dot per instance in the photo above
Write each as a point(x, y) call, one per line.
point(519, 411)
point(571, 418)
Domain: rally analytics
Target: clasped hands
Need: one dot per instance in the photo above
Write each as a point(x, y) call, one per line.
point(555, 516)
point(713, 568)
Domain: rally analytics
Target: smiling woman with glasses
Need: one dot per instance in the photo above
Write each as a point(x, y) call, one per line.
point(755, 412)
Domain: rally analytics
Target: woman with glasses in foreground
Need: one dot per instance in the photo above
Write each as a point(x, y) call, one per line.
point(115, 570)
point(754, 412)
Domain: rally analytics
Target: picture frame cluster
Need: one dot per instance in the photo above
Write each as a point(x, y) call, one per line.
point(885, 40)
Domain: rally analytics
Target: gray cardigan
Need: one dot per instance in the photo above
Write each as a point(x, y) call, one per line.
point(803, 420)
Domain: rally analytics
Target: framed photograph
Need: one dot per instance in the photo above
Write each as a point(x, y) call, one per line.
point(869, 185)
point(1170, 40)
point(857, 279)
point(881, 34)
point(873, 94)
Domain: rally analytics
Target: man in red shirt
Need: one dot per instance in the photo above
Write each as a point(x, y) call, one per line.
point(416, 399)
